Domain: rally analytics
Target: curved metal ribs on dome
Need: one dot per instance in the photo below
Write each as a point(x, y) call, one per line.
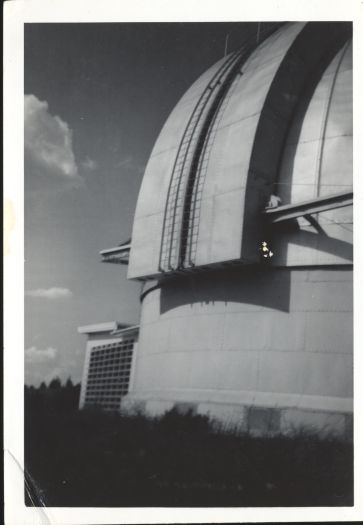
point(223, 148)
point(191, 143)
point(180, 226)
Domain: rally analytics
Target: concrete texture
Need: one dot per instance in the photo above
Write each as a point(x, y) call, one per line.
point(271, 338)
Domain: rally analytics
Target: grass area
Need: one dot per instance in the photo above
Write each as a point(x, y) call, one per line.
point(95, 459)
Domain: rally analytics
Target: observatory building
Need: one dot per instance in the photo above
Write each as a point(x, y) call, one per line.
point(243, 239)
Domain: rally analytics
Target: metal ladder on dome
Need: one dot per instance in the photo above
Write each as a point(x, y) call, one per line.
point(175, 196)
point(179, 199)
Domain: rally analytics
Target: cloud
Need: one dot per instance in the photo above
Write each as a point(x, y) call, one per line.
point(125, 163)
point(89, 164)
point(37, 355)
point(50, 293)
point(45, 365)
point(130, 164)
point(48, 143)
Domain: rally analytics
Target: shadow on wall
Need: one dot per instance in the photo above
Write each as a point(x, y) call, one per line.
point(283, 184)
point(264, 287)
point(306, 114)
point(303, 64)
point(291, 233)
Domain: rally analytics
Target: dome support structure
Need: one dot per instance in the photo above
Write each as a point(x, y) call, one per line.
point(303, 209)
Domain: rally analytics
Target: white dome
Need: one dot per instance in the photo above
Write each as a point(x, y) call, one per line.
point(215, 163)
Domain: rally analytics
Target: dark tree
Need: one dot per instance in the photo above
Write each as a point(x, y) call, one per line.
point(69, 383)
point(55, 384)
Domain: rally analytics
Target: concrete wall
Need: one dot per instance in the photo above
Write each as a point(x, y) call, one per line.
point(228, 342)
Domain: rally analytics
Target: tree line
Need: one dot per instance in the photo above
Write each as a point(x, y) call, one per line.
point(53, 396)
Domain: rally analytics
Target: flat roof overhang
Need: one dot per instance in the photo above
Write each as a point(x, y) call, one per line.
point(116, 255)
point(100, 328)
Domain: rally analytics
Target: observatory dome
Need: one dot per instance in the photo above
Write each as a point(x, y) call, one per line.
point(272, 118)
point(258, 152)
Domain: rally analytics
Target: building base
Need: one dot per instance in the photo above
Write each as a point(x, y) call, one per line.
point(254, 419)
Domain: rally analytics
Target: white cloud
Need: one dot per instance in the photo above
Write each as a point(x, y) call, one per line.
point(37, 355)
point(89, 164)
point(48, 143)
point(125, 163)
point(130, 164)
point(50, 293)
point(45, 365)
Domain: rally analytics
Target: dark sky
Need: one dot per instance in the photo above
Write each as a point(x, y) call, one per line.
point(96, 97)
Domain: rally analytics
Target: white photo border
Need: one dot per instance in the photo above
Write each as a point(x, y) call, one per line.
point(19, 12)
